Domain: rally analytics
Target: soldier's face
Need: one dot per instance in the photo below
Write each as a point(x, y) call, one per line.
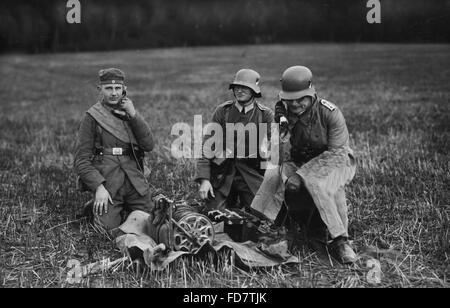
point(298, 106)
point(111, 93)
point(242, 94)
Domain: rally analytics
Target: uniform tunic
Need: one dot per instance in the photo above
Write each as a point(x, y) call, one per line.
point(322, 127)
point(120, 175)
point(318, 150)
point(235, 176)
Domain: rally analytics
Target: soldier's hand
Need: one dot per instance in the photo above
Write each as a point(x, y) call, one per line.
point(294, 183)
point(284, 124)
point(206, 189)
point(280, 111)
point(128, 107)
point(102, 198)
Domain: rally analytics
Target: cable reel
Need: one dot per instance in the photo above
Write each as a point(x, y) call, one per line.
point(191, 230)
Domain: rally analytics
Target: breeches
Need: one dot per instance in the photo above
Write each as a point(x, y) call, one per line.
point(126, 200)
point(239, 190)
point(332, 210)
point(302, 209)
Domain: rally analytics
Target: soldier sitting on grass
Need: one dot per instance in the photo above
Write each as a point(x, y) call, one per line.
point(224, 181)
point(112, 139)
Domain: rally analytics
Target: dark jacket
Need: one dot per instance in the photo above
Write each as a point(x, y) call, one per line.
point(322, 127)
point(222, 175)
point(107, 169)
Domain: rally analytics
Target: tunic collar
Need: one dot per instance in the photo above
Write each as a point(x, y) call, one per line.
point(247, 108)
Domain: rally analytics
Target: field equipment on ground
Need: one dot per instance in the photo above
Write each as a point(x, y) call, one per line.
point(239, 224)
point(183, 228)
point(192, 229)
point(178, 225)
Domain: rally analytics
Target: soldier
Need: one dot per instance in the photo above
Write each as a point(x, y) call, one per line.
point(223, 181)
point(319, 163)
point(112, 139)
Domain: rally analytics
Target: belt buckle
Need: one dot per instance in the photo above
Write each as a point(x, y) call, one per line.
point(117, 151)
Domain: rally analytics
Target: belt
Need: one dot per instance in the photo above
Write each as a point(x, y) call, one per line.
point(114, 151)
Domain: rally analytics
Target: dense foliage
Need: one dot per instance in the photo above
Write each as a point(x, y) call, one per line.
point(37, 26)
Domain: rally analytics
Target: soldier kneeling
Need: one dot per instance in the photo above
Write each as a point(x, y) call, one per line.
point(112, 139)
point(225, 181)
point(320, 163)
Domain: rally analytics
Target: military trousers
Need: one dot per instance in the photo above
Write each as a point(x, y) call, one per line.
point(126, 200)
point(302, 209)
point(240, 195)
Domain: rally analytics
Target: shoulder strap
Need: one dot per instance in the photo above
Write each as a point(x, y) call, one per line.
point(260, 115)
point(329, 105)
point(98, 140)
point(261, 106)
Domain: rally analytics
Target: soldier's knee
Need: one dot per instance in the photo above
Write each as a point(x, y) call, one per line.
point(294, 184)
point(292, 188)
point(107, 221)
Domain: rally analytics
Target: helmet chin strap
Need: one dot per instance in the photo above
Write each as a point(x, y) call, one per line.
point(307, 108)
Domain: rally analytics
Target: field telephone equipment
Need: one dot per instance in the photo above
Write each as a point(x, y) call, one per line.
point(118, 108)
point(187, 228)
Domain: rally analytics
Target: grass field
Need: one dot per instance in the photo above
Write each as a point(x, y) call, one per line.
point(396, 102)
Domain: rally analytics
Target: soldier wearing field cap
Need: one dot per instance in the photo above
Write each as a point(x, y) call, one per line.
point(316, 166)
point(112, 139)
point(236, 177)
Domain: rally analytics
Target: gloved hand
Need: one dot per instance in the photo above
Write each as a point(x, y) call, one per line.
point(280, 111)
point(294, 183)
point(283, 123)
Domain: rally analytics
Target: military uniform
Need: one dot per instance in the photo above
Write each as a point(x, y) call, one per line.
point(317, 163)
point(321, 128)
point(104, 155)
point(235, 177)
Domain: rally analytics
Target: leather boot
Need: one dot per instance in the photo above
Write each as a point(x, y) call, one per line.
point(341, 250)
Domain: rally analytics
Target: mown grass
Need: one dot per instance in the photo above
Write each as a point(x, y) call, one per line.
point(396, 102)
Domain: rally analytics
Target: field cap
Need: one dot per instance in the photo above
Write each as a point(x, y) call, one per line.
point(111, 75)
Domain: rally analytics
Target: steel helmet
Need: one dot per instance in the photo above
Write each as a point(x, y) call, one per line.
point(248, 78)
point(296, 82)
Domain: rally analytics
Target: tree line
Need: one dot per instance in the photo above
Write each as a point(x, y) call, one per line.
point(41, 26)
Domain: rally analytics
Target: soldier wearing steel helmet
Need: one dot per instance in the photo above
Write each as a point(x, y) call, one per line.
point(112, 139)
point(316, 166)
point(225, 181)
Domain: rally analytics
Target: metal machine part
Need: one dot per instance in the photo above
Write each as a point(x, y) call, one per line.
point(185, 229)
point(189, 229)
point(239, 224)
point(192, 231)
